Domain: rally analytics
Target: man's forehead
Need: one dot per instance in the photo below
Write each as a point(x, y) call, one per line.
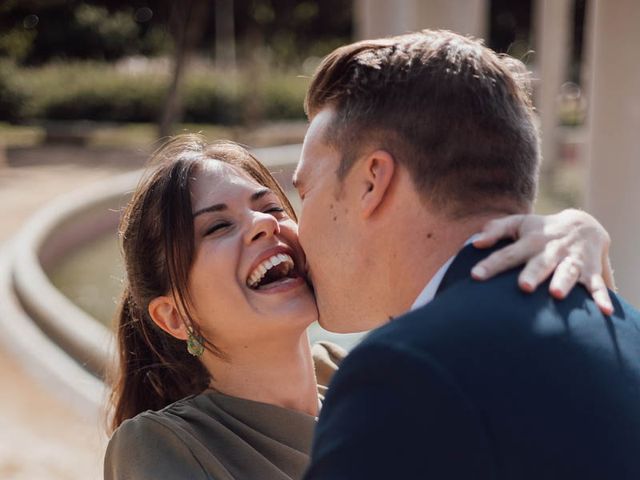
point(301, 169)
point(311, 161)
point(315, 146)
point(304, 163)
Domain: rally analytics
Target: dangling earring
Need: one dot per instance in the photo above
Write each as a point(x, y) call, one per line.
point(195, 344)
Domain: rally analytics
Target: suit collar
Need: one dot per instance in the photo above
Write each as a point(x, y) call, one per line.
point(461, 267)
point(429, 292)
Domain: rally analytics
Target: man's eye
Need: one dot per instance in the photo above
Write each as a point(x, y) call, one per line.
point(216, 228)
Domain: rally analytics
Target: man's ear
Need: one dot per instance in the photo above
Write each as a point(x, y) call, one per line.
point(378, 170)
point(164, 313)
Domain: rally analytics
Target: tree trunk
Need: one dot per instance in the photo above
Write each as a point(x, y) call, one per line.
point(225, 35)
point(187, 24)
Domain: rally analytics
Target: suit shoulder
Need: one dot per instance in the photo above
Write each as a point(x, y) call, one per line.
point(483, 320)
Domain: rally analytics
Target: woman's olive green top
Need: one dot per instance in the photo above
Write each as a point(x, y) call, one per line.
point(217, 436)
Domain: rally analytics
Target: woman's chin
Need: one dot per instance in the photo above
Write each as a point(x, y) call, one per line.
point(292, 302)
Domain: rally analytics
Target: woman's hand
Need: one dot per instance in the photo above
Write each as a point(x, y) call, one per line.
point(571, 244)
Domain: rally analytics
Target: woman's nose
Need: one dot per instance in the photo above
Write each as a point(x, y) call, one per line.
point(262, 225)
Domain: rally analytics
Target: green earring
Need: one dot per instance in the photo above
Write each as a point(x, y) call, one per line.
point(195, 344)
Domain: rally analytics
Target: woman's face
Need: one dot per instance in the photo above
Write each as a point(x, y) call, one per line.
point(246, 282)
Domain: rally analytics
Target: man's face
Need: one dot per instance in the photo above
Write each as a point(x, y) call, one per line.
point(326, 228)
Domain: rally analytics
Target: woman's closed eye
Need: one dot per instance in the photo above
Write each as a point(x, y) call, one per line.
point(274, 210)
point(221, 226)
point(217, 227)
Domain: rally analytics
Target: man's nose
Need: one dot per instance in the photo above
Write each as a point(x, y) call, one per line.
point(262, 225)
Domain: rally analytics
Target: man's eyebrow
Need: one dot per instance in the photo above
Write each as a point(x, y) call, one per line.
point(222, 206)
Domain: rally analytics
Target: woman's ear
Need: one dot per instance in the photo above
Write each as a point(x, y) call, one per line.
point(378, 170)
point(164, 313)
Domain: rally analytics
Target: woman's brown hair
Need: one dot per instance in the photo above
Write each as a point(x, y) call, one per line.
point(154, 369)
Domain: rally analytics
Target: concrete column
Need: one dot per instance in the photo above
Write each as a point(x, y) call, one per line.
point(614, 135)
point(469, 17)
point(378, 18)
point(552, 24)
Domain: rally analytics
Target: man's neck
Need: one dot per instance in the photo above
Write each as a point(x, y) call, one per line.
point(426, 252)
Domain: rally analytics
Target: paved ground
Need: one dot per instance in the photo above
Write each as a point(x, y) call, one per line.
point(40, 438)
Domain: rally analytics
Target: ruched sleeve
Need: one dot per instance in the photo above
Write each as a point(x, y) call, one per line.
point(143, 448)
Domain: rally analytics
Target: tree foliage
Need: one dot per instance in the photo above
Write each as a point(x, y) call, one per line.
point(287, 31)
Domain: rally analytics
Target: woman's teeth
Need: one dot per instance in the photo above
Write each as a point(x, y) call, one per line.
point(261, 270)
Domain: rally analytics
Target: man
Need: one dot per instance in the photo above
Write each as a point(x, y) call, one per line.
point(416, 142)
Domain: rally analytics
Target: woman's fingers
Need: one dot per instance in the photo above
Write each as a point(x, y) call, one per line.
point(540, 267)
point(564, 278)
point(596, 285)
point(508, 257)
point(568, 245)
point(607, 272)
point(568, 270)
point(571, 271)
point(506, 227)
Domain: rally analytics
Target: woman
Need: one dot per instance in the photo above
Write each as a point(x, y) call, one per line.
point(216, 376)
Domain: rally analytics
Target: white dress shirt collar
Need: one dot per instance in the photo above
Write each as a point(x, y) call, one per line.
point(430, 290)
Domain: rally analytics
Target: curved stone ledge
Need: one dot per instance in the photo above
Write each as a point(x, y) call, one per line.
point(66, 223)
point(43, 359)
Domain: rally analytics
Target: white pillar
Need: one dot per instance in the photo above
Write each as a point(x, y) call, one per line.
point(552, 24)
point(468, 17)
point(379, 18)
point(614, 135)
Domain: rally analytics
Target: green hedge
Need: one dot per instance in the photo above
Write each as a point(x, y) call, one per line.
point(12, 96)
point(98, 91)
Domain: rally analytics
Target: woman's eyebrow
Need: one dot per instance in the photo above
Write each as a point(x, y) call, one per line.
point(260, 193)
point(223, 206)
point(212, 208)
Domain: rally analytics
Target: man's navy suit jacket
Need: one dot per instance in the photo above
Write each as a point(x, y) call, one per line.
point(488, 382)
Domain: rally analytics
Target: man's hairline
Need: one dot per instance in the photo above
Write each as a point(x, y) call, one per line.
point(332, 132)
point(329, 137)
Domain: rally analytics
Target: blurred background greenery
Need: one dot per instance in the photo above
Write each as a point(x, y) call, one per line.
point(229, 62)
point(126, 61)
point(123, 73)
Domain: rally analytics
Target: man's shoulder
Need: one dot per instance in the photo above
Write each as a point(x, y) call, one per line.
point(473, 319)
point(524, 376)
point(467, 306)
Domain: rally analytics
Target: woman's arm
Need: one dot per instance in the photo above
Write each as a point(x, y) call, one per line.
point(571, 245)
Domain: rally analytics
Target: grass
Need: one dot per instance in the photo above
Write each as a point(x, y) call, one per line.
point(104, 92)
